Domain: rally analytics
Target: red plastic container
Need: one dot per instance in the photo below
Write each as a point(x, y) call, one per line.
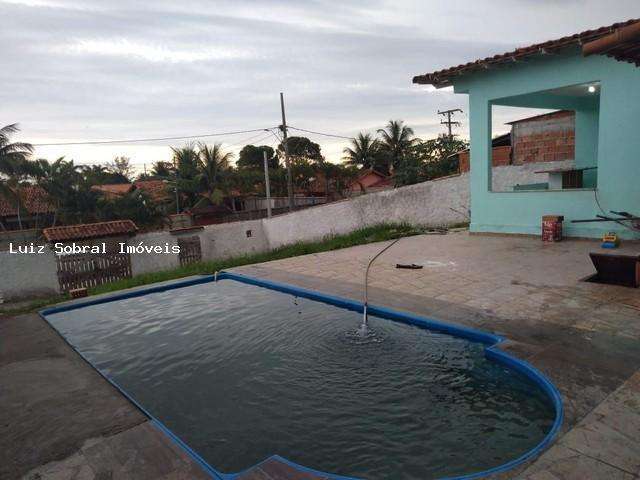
point(552, 228)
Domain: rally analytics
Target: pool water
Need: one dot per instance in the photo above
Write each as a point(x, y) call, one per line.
point(241, 372)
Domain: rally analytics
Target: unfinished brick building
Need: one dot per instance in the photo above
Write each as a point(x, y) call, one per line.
point(545, 138)
point(549, 137)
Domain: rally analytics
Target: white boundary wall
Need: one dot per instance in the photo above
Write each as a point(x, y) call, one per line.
point(28, 275)
point(440, 202)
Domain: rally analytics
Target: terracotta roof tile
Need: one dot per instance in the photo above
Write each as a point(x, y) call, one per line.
point(34, 200)
point(443, 78)
point(155, 189)
point(90, 230)
point(113, 188)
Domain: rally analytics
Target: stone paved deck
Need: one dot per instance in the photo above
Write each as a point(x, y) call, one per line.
point(584, 336)
point(275, 469)
point(60, 420)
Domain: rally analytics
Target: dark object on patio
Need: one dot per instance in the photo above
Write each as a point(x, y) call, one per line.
point(616, 269)
point(78, 292)
point(623, 216)
point(411, 266)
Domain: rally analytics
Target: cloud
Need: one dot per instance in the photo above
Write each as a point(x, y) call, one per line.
point(122, 47)
point(87, 70)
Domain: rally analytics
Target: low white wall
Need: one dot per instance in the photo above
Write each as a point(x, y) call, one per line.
point(232, 239)
point(440, 202)
point(28, 275)
point(153, 262)
point(505, 177)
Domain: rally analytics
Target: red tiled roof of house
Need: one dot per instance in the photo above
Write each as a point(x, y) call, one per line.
point(155, 189)
point(114, 189)
point(34, 200)
point(371, 179)
point(90, 230)
point(443, 78)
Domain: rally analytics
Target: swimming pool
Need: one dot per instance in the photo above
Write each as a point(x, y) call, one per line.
point(240, 372)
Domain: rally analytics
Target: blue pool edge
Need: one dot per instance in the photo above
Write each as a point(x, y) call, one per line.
point(491, 342)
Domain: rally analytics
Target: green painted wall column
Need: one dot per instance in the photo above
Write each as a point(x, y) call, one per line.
point(586, 149)
point(619, 140)
point(480, 160)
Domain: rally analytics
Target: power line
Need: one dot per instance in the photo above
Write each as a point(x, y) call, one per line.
point(321, 133)
point(137, 140)
point(252, 138)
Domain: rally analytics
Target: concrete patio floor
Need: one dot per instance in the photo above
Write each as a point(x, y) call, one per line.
point(62, 421)
point(584, 336)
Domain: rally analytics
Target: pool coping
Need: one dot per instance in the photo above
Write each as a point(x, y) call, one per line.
point(491, 342)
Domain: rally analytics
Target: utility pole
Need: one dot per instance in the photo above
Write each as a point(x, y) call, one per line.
point(266, 182)
point(287, 163)
point(448, 122)
point(176, 189)
point(177, 197)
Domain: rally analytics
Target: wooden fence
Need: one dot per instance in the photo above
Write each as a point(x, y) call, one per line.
point(190, 250)
point(90, 269)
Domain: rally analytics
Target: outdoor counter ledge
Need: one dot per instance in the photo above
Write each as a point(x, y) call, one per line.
point(492, 352)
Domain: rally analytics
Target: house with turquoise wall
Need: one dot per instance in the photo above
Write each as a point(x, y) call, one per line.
point(596, 74)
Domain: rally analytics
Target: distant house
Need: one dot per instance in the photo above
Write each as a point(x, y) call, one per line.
point(593, 74)
point(37, 210)
point(113, 191)
point(91, 233)
point(370, 181)
point(156, 190)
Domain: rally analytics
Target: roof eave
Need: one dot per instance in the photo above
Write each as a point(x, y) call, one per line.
point(443, 78)
point(431, 80)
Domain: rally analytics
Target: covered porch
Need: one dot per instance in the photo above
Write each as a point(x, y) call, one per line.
point(585, 73)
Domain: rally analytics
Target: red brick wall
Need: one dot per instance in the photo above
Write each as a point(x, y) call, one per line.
point(501, 156)
point(463, 161)
point(548, 138)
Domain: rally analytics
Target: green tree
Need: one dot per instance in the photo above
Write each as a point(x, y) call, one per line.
point(438, 156)
point(364, 152)
point(303, 155)
point(14, 167)
point(429, 159)
point(251, 181)
point(396, 141)
point(213, 164)
point(69, 188)
point(134, 206)
point(61, 180)
point(186, 163)
point(301, 148)
point(101, 175)
point(121, 166)
point(252, 157)
point(162, 170)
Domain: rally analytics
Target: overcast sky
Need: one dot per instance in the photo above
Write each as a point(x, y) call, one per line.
point(93, 70)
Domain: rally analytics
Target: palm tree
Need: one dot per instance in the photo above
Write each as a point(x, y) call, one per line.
point(14, 167)
point(186, 184)
point(396, 142)
point(364, 151)
point(162, 169)
point(213, 162)
point(60, 180)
